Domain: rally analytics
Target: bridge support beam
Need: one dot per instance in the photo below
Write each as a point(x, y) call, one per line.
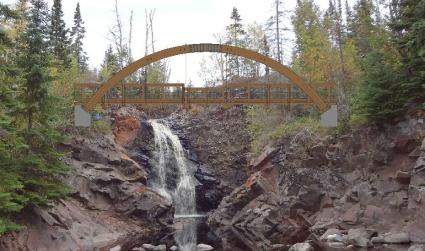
point(81, 117)
point(330, 117)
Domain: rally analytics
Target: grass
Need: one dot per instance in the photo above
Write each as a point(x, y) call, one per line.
point(101, 127)
point(267, 126)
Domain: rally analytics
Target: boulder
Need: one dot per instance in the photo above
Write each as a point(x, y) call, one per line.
point(417, 248)
point(359, 237)
point(301, 247)
point(126, 127)
point(392, 238)
point(150, 247)
point(396, 238)
point(351, 216)
point(203, 247)
point(116, 248)
point(330, 232)
point(258, 163)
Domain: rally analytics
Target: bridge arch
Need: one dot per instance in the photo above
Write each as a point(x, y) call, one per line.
point(193, 48)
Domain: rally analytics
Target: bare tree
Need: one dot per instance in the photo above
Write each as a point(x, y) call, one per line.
point(130, 38)
point(157, 72)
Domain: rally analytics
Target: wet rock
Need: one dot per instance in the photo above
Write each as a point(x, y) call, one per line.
point(174, 248)
point(301, 247)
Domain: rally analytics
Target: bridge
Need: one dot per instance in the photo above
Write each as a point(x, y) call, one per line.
point(116, 92)
point(177, 94)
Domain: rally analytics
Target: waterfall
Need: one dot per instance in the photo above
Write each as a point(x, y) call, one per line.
point(168, 156)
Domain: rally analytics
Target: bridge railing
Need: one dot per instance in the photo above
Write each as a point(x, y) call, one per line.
point(177, 93)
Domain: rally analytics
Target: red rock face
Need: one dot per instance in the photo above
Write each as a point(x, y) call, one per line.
point(126, 128)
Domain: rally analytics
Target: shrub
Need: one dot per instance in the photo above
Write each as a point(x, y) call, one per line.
point(269, 125)
point(101, 127)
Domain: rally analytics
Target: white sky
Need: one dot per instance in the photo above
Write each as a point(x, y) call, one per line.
point(176, 22)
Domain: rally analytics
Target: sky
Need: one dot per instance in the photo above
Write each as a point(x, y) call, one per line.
point(176, 22)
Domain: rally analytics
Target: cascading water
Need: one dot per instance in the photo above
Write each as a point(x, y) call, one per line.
point(168, 156)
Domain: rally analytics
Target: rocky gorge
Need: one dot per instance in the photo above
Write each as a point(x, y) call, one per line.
point(361, 190)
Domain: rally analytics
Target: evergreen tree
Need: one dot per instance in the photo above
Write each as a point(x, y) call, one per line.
point(29, 166)
point(363, 26)
point(110, 65)
point(381, 96)
point(77, 34)
point(235, 32)
point(40, 164)
point(59, 34)
point(9, 184)
point(410, 30)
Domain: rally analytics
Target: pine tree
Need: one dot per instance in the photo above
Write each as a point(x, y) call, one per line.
point(59, 34)
point(363, 26)
point(380, 96)
point(110, 64)
point(9, 183)
point(77, 34)
point(410, 30)
point(40, 164)
point(29, 166)
point(235, 32)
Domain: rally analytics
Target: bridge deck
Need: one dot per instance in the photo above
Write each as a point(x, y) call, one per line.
point(178, 94)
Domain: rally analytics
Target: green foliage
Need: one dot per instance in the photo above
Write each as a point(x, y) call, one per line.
point(391, 79)
point(269, 125)
point(411, 42)
point(77, 35)
point(314, 57)
point(59, 41)
point(30, 167)
point(235, 31)
point(101, 127)
point(8, 226)
point(158, 72)
point(381, 94)
point(110, 65)
point(62, 93)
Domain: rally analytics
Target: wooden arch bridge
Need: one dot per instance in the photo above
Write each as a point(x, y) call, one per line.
point(116, 92)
